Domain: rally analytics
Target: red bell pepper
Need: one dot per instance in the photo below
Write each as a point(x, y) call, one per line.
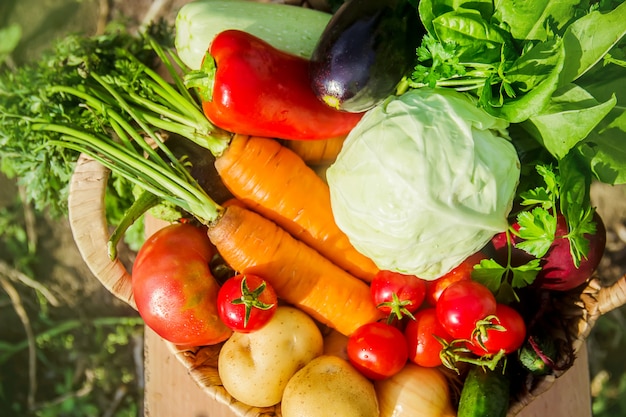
point(249, 87)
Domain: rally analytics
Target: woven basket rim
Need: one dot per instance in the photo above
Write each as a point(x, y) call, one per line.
point(91, 233)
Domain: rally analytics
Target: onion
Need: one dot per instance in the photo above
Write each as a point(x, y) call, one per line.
point(415, 392)
point(335, 344)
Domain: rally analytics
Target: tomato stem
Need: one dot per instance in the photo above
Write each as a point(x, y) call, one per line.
point(250, 299)
point(397, 308)
point(457, 351)
point(491, 322)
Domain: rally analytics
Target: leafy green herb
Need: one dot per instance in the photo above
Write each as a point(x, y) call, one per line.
point(538, 226)
point(554, 70)
point(441, 59)
point(25, 95)
point(92, 91)
point(503, 280)
point(100, 96)
point(536, 231)
point(513, 57)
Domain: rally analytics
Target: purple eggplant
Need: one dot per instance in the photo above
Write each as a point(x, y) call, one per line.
point(364, 51)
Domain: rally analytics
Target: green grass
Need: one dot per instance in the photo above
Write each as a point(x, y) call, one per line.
point(58, 360)
point(607, 344)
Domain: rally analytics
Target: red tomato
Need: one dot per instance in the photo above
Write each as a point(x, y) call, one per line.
point(463, 272)
point(424, 348)
point(246, 303)
point(397, 294)
point(461, 305)
point(378, 350)
point(173, 288)
point(509, 338)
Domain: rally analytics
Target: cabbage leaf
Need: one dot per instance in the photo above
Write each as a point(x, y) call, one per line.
point(423, 181)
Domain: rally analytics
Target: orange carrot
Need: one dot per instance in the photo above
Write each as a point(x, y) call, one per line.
point(250, 243)
point(316, 152)
point(292, 195)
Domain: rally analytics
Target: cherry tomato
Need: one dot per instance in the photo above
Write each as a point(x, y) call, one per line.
point(424, 348)
point(508, 335)
point(461, 305)
point(377, 350)
point(246, 303)
point(463, 272)
point(173, 288)
point(397, 294)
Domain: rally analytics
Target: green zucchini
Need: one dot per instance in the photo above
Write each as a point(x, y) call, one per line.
point(485, 393)
point(290, 28)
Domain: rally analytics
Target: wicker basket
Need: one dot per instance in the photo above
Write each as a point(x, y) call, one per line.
point(577, 311)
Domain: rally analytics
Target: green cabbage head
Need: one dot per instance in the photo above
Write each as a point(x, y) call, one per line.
point(425, 180)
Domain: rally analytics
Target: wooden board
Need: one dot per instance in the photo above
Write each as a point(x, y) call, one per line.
point(171, 392)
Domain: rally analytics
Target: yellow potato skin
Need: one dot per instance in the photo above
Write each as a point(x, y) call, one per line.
point(329, 385)
point(255, 367)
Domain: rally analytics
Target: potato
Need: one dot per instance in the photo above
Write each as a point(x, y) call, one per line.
point(329, 385)
point(255, 367)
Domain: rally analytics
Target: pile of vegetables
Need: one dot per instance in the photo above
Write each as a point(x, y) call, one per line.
point(467, 136)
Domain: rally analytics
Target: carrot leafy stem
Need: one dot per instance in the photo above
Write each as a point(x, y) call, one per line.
point(100, 96)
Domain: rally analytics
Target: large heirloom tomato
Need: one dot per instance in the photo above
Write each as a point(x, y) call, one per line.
point(174, 291)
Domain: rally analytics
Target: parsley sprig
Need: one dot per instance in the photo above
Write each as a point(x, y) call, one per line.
point(443, 63)
point(535, 232)
point(437, 61)
point(100, 96)
point(26, 94)
point(538, 226)
point(90, 92)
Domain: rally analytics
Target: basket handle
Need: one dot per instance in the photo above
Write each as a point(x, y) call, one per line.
point(612, 296)
point(90, 230)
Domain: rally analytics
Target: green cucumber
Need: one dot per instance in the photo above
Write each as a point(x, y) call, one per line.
point(290, 28)
point(485, 393)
